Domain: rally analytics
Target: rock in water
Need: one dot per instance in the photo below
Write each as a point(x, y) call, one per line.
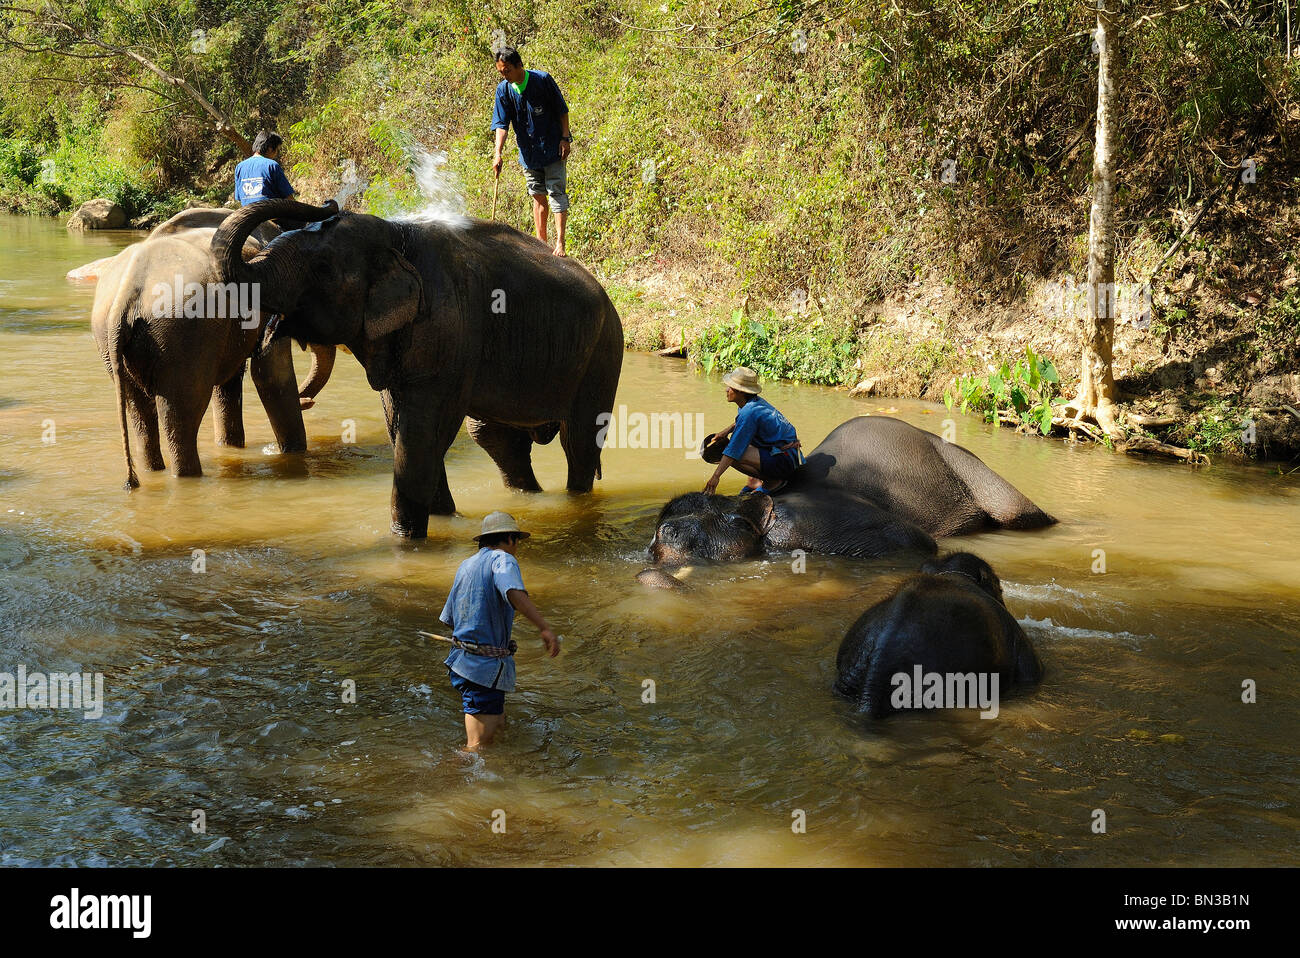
point(100, 214)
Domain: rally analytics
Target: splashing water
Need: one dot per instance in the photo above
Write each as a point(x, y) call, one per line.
point(440, 188)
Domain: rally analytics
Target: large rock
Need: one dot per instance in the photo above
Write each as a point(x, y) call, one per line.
point(98, 214)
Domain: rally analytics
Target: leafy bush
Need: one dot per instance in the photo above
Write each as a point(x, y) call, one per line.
point(818, 355)
point(1024, 392)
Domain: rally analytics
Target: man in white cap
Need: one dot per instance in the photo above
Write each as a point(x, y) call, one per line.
point(761, 442)
point(480, 609)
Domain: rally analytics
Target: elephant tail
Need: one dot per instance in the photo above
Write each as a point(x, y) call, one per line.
point(117, 334)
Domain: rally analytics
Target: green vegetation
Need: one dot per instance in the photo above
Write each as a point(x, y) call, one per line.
point(774, 351)
point(1023, 393)
point(729, 151)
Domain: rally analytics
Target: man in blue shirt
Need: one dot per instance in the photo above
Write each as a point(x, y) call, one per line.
point(762, 443)
point(531, 102)
point(260, 177)
point(480, 609)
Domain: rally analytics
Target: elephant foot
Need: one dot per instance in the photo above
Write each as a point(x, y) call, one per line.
point(410, 530)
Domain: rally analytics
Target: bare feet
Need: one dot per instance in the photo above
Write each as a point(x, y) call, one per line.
point(559, 251)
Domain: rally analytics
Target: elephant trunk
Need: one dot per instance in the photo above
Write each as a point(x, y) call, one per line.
point(322, 364)
point(278, 279)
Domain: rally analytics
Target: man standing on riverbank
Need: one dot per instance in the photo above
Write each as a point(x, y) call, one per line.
point(531, 102)
point(480, 609)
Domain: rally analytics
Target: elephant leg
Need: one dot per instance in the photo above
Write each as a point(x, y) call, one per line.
point(143, 416)
point(180, 420)
point(424, 426)
point(511, 449)
point(228, 411)
point(277, 387)
point(578, 436)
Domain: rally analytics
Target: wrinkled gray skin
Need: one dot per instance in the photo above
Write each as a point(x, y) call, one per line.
point(949, 618)
point(697, 526)
point(448, 321)
point(167, 369)
point(937, 485)
point(874, 486)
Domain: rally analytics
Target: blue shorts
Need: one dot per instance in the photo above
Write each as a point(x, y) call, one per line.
point(774, 464)
point(478, 699)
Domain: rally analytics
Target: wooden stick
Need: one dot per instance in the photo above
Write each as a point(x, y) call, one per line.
point(495, 185)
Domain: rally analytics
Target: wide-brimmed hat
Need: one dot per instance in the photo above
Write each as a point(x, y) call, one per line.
point(743, 379)
point(495, 522)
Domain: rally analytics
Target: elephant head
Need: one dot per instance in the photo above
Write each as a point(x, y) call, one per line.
point(699, 526)
point(969, 565)
point(344, 279)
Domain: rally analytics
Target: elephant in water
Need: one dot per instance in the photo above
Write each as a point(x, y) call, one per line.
point(949, 621)
point(173, 340)
point(873, 486)
point(916, 475)
point(697, 526)
point(449, 320)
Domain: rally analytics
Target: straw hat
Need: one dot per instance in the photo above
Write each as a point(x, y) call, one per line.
point(743, 379)
point(496, 522)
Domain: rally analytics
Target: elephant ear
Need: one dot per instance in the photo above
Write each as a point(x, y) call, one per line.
point(393, 301)
point(759, 509)
point(394, 298)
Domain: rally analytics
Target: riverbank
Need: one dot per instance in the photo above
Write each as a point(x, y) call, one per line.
point(900, 240)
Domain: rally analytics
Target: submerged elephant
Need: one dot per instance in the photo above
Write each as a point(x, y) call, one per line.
point(944, 630)
point(448, 320)
point(171, 347)
point(698, 526)
point(916, 475)
point(873, 486)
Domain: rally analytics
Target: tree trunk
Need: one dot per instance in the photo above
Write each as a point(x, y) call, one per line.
point(1097, 394)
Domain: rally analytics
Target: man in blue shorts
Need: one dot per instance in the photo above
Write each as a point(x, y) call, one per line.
point(761, 442)
point(480, 609)
point(531, 102)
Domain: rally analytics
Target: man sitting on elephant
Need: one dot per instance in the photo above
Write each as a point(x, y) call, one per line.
point(761, 443)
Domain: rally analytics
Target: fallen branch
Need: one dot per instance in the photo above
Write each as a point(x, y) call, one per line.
point(1143, 445)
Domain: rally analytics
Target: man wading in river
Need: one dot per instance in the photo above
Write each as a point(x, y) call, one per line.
point(487, 590)
point(762, 445)
point(531, 102)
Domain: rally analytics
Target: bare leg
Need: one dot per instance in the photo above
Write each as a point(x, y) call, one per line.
point(540, 213)
point(560, 219)
point(481, 729)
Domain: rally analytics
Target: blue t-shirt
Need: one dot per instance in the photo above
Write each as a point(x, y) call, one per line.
point(478, 610)
point(535, 115)
point(259, 178)
point(758, 424)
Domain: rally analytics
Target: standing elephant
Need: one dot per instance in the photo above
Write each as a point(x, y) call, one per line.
point(948, 620)
point(449, 320)
point(170, 351)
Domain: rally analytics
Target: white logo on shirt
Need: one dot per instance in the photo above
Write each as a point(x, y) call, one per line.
point(253, 187)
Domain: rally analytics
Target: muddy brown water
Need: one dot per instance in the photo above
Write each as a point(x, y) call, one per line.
point(223, 687)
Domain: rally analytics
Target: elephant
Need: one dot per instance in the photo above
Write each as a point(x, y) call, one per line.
point(949, 619)
point(698, 526)
point(448, 319)
point(169, 351)
point(918, 476)
point(874, 486)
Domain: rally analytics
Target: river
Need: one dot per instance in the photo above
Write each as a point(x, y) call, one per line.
point(225, 737)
